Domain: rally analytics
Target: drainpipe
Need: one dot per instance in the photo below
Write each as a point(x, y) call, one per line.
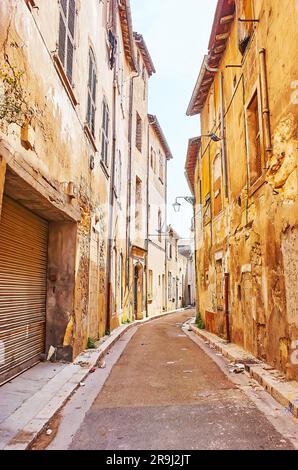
point(166, 237)
point(147, 220)
point(265, 100)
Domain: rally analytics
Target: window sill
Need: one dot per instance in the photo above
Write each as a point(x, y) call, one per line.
point(64, 80)
point(256, 185)
point(104, 169)
point(90, 137)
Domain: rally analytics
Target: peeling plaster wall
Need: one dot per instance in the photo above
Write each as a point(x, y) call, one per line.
point(60, 149)
point(257, 229)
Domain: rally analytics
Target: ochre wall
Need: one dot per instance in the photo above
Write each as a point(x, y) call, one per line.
point(257, 228)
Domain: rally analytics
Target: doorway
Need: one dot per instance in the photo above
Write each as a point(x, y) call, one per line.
point(138, 292)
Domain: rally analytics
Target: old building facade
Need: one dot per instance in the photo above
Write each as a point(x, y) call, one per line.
point(75, 177)
point(243, 173)
point(177, 264)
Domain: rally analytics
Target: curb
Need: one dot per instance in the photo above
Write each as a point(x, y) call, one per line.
point(273, 381)
point(25, 437)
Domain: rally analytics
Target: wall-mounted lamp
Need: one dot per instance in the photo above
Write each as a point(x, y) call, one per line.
point(213, 137)
point(177, 205)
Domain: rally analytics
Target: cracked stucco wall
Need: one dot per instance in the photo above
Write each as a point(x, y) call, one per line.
point(59, 151)
point(258, 228)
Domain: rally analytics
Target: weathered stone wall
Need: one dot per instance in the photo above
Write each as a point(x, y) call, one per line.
point(257, 228)
point(42, 132)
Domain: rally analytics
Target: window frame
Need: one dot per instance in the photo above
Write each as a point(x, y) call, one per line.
point(258, 137)
point(91, 92)
point(63, 55)
point(104, 131)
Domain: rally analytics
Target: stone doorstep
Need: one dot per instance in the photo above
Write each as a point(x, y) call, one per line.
point(15, 438)
point(284, 392)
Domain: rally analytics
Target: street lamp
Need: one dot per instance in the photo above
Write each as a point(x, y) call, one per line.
point(177, 204)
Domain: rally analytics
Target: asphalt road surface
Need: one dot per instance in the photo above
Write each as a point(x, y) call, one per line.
point(165, 391)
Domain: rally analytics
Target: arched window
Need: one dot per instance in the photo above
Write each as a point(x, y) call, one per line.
point(67, 35)
point(92, 79)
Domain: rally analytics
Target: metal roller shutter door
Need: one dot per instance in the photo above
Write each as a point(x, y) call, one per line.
point(23, 274)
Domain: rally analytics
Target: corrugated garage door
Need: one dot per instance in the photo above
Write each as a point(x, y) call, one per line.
point(23, 266)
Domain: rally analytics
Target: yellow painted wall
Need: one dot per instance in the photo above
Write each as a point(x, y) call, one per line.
point(257, 230)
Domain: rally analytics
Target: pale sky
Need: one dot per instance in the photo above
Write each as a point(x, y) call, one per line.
point(177, 34)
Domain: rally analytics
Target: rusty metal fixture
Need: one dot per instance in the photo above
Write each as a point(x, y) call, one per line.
point(265, 100)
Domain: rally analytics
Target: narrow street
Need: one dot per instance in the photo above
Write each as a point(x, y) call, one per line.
point(166, 392)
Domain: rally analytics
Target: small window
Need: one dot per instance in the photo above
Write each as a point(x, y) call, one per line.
point(91, 93)
point(161, 167)
point(170, 251)
point(254, 140)
point(159, 225)
point(67, 35)
point(105, 134)
point(152, 158)
point(170, 286)
point(138, 133)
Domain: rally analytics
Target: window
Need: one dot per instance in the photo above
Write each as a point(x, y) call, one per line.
point(150, 287)
point(152, 158)
point(254, 140)
point(161, 167)
point(105, 134)
point(91, 93)
point(138, 203)
point(217, 179)
point(138, 133)
point(159, 225)
point(170, 250)
point(66, 35)
point(170, 286)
